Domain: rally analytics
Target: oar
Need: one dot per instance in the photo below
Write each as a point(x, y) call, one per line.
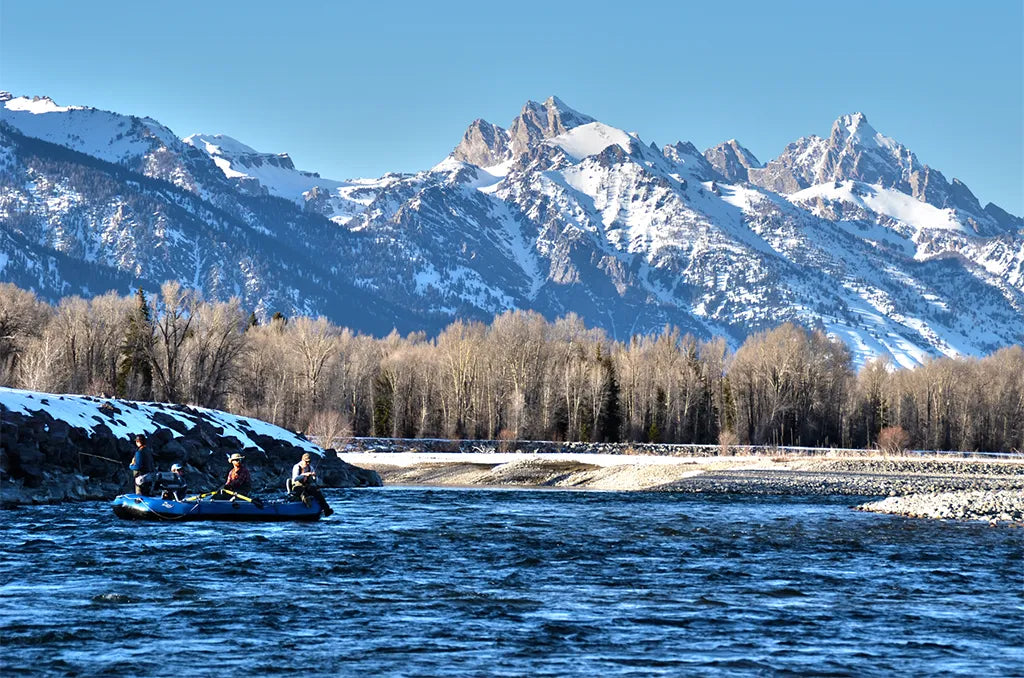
point(258, 503)
point(201, 496)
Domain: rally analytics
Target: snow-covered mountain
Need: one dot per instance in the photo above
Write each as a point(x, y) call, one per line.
point(558, 213)
point(855, 151)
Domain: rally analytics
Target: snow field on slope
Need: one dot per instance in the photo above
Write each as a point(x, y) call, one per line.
point(889, 202)
point(590, 139)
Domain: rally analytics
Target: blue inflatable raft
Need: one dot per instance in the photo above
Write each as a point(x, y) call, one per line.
point(138, 507)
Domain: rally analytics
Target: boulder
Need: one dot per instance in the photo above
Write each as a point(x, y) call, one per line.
point(171, 453)
point(159, 438)
point(167, 421)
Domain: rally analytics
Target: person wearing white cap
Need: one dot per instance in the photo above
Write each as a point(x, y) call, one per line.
point(175, 487)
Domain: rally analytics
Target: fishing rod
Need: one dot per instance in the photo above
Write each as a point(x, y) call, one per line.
point(112, 461)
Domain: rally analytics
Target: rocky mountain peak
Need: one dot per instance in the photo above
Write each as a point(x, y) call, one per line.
point(855, 151)
point(484, 144)
point(568, 117)
point(537, 122)
point(856, 126)
point(691, 161)
point(732, 160)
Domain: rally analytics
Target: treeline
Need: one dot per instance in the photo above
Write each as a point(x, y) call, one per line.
point(520, 377)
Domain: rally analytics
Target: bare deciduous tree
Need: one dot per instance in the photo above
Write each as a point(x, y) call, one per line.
point(174, 311)
point(22, 317)
point(520, 377)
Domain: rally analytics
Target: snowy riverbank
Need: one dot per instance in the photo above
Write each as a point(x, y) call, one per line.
point(56, 448)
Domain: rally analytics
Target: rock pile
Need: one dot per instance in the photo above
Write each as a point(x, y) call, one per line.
point(46, 460)
point(992, 506)
point(452, 446)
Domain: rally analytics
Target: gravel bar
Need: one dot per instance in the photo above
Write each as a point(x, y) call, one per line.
point(991, 506)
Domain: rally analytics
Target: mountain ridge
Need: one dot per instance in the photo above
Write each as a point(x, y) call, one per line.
point(557, 213)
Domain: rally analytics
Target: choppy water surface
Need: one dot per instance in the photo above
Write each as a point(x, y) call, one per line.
point(484, 582)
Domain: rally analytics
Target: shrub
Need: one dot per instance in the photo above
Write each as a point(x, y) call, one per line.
point(727, 440)
point(506, 440)
point(893, 440)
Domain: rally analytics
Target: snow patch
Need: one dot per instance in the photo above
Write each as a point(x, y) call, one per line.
point(35, 105)
point(590, 139)
point(87, 412)
point(886, 201)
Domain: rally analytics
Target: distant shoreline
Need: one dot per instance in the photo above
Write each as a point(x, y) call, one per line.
point(963, 489)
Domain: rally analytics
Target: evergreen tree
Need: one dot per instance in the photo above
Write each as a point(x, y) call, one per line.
point(383, 404)
point(611, 417)
point(135, 373)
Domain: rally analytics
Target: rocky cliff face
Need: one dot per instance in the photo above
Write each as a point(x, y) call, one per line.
point(732, 160)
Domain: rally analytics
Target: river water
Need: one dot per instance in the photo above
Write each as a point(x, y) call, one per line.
point(455, 582)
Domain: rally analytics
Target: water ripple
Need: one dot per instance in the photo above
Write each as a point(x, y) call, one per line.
point(426, 582)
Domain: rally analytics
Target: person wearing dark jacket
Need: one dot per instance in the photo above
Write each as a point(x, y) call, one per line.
point(174, 487)
point(142, 466)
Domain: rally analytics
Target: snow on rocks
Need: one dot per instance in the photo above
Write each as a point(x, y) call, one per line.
point(125, 418)
point(71, 447)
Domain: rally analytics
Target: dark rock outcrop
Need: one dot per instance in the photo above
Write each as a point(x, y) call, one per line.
point(43, 460)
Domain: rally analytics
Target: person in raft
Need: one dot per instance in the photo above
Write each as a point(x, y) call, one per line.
point(175, 487)
point(239, 480)
point(303, 484)
point(142, 466)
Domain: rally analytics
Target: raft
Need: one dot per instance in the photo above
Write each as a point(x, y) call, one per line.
point(138, 507)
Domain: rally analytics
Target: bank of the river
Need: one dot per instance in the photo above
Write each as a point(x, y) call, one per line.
point(929, 480)
point(56, 448)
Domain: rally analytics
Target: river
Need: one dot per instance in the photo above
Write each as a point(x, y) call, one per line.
point(483, 582)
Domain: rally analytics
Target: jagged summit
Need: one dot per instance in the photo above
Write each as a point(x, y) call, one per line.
point(567, 116)
point(483, 145)
point(692, 163)
point(732, 160)
point(487, 145)
point(856, 151)
point(856, 125)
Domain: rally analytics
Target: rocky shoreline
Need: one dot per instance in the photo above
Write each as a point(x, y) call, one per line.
point(992, 506)
point(974, 484)
point(44, 459)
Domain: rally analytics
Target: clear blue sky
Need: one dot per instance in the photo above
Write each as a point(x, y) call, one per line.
point(357, 89)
